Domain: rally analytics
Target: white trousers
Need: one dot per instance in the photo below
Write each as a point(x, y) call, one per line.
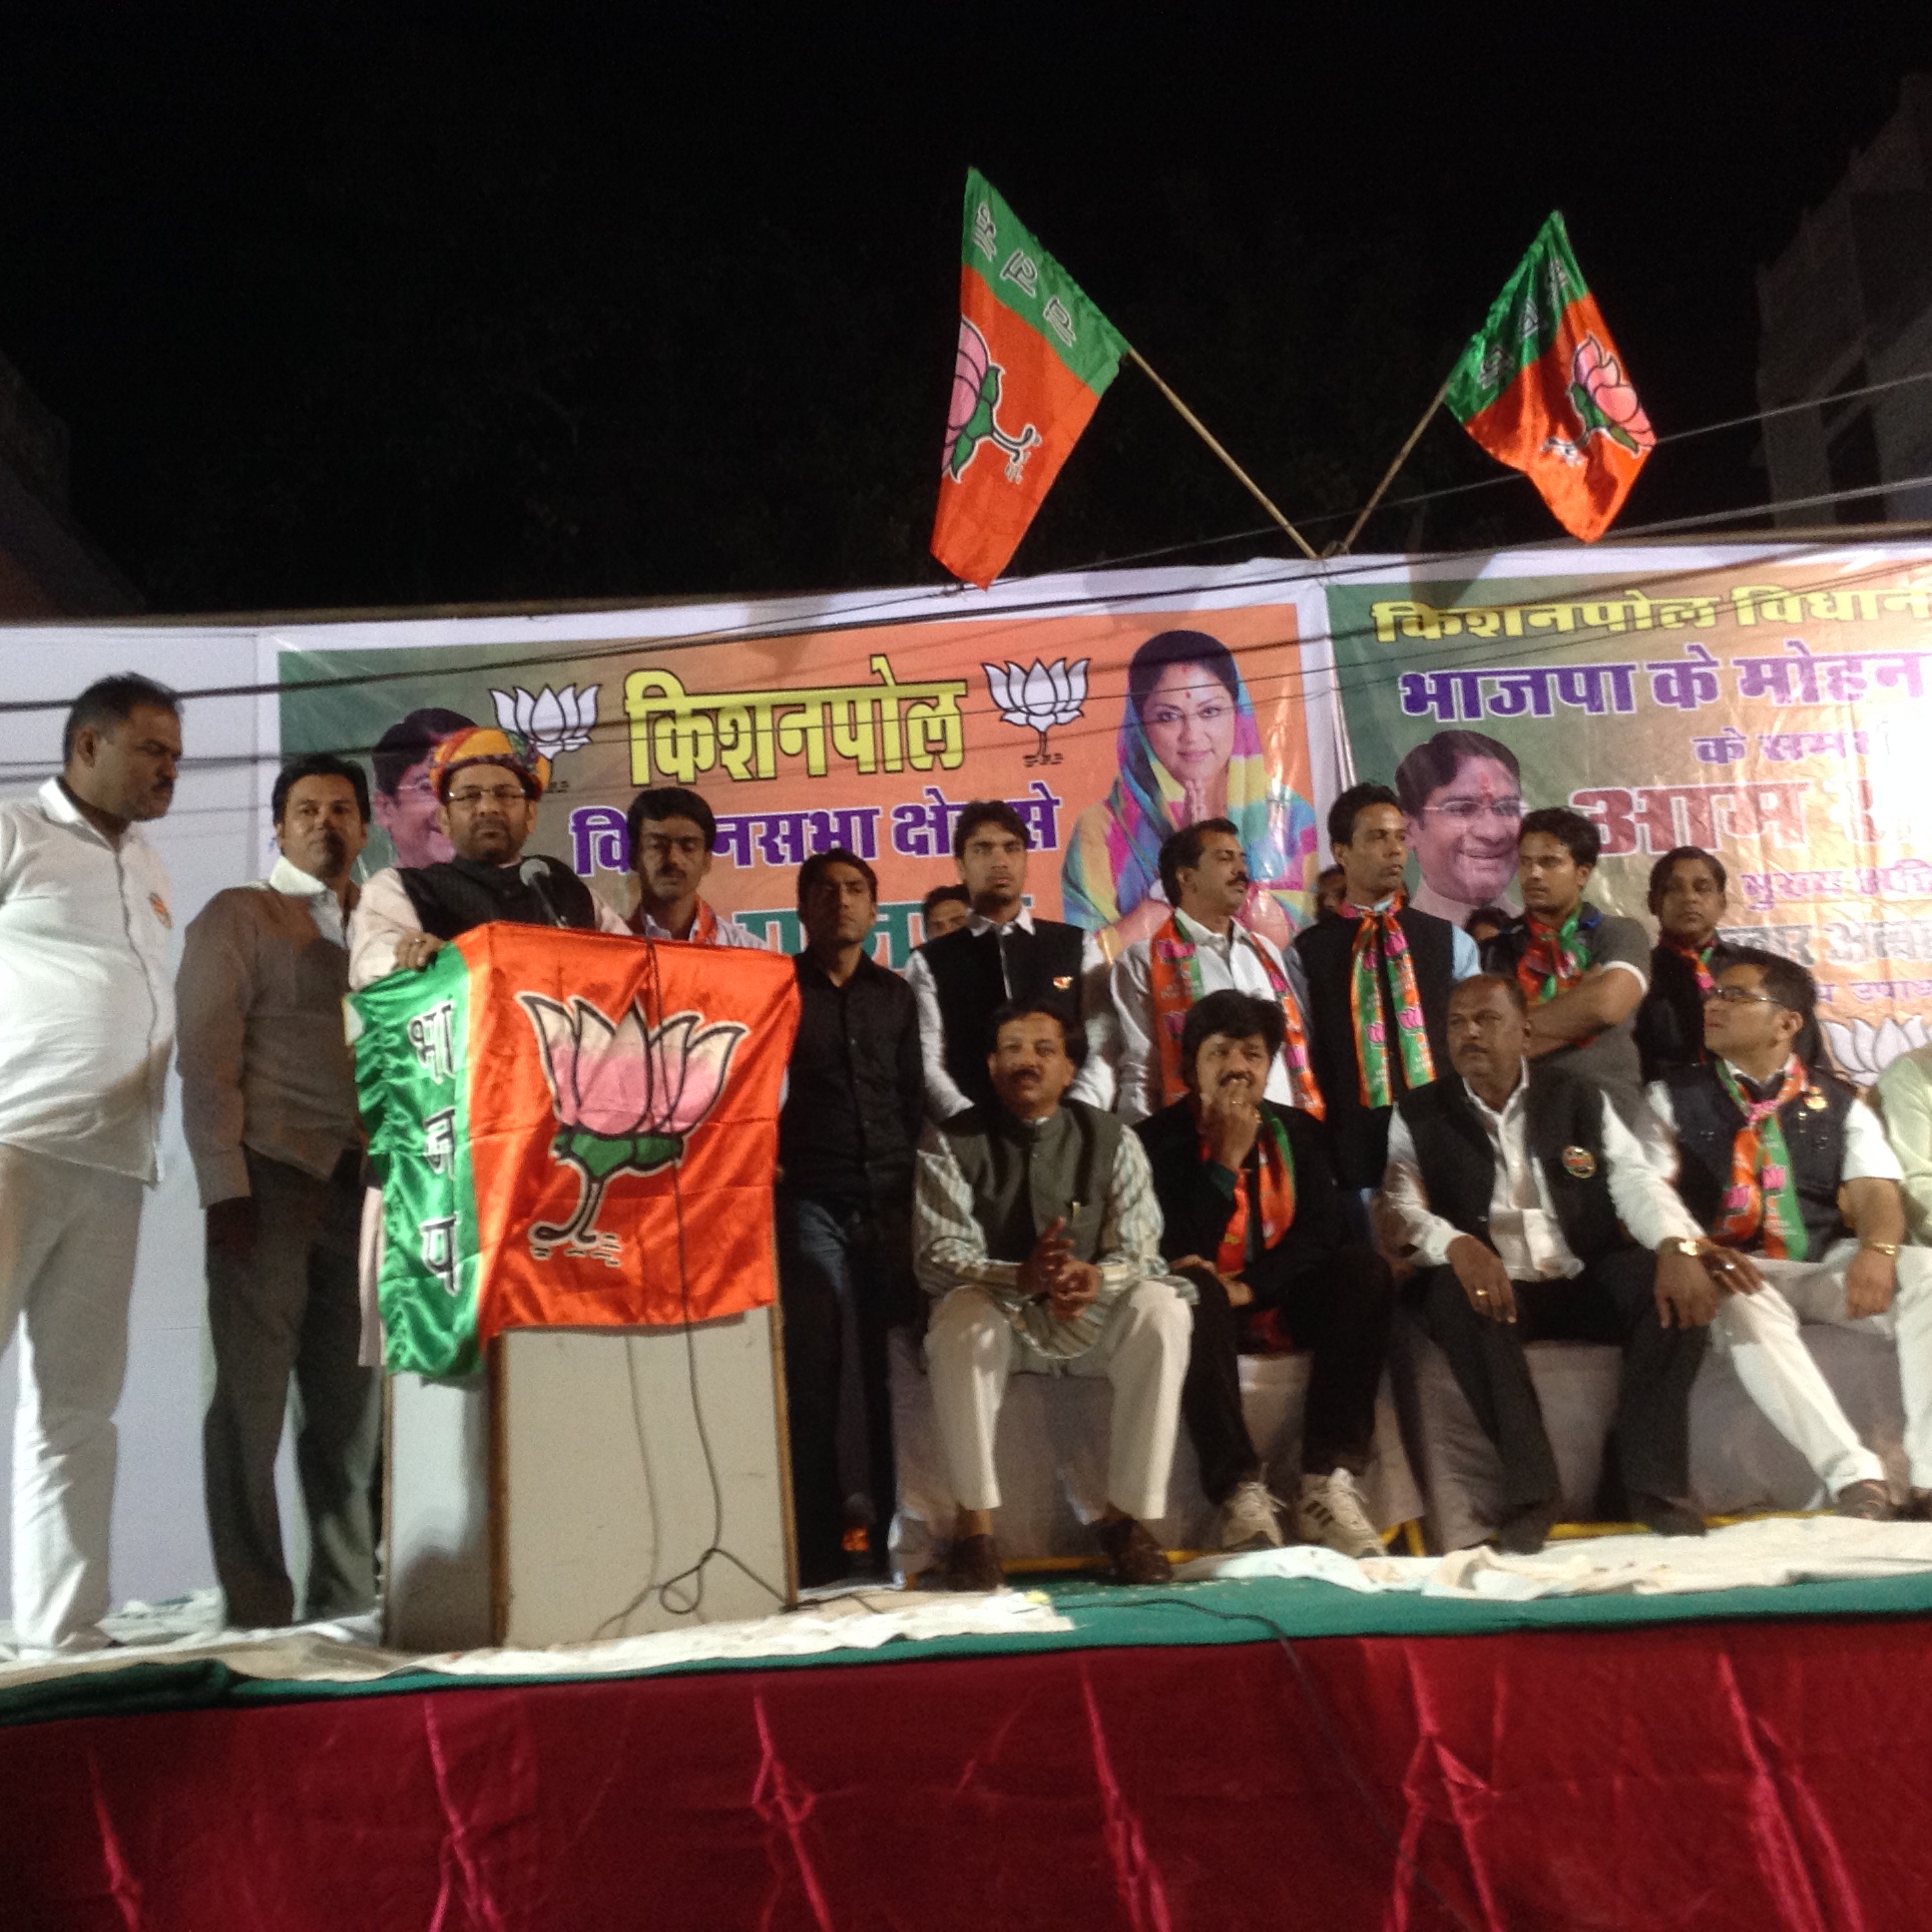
point(971, 1348)
point(67, 1243)
point(1760, 1334)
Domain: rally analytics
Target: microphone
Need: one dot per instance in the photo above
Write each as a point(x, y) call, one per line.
point(536, 875)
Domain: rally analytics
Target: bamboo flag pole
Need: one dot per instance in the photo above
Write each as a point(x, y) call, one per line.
point(1401, 457)
point(1199, 429)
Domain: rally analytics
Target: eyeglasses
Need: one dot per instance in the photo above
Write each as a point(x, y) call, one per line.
point(1463, 811)
point(1740, 996)
point(504, 796)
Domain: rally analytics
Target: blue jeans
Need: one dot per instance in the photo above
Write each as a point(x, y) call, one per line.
point(835, 1255)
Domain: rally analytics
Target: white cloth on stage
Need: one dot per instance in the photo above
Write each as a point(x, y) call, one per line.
point(67, 1249)
point(1760, 1334)
point(972, 1346)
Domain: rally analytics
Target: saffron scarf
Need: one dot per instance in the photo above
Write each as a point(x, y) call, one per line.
point(1556, 957)
point(704, 925)
point(1700, 963)
point(1365, 1006)
point(1761, 1203)
point(1276, 1205)
point(1174, 984)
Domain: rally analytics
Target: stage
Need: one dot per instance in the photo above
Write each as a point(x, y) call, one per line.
point(1271, 1752)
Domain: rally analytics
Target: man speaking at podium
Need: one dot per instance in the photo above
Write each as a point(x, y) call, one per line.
point(487, 784)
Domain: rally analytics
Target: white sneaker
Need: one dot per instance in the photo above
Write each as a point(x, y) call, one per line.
point(1330, 1511)
point(1248, 1520)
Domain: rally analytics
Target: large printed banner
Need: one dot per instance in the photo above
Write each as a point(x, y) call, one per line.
point(1768, 705)
point(571, 1131)
point(1105, 724)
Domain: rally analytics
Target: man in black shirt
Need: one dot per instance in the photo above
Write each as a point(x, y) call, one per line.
point(1687, 900)
point(846, 1138)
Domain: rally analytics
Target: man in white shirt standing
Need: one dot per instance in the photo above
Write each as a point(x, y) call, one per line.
point(268, 1107)
point(1791, 1174)
point(1003, 953)
point(87, 1023)
point(1509, 1185)
point(1201, 947)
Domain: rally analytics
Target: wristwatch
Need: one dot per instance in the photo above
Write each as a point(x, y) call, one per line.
point(1681, 1244)
point(1887, 1249)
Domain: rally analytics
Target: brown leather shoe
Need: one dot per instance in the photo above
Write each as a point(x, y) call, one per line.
point(1132, 1550)
point(1868, 1501)
point(973, 1563)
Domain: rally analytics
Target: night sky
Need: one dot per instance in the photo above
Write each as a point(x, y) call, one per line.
point(357, 306)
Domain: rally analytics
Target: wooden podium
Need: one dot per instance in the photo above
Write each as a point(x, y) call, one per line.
point(551, 1498)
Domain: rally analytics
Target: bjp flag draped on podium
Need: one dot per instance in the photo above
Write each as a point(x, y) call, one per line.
point(571, 1131)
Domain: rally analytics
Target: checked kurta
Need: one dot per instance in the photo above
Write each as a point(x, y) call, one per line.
point(571, 1130)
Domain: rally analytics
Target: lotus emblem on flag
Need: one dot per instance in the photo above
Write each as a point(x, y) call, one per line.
point(626, 1099)
point(1039, 699)
point(1604, 403)
point(971, 419)
point(1863, 1051)
point(555, 721)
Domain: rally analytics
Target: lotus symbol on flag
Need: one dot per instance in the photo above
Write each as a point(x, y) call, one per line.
point(1604, 403)
point(555, 721)
point(971, 419)
point(1039, 698)
point(627, 1098)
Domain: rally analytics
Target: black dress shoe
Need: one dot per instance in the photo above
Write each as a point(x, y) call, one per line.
point(973, 1563)
point(1132, 1550)
point(1523, 1531)
point(1666, 1518)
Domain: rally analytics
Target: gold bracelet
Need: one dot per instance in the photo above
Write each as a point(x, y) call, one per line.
point(1887, 1249)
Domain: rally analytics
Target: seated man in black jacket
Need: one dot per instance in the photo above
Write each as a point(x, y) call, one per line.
point(1252, 1218)
point(1512, 1183)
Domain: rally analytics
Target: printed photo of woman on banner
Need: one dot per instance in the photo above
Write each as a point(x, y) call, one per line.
point(1190, 748)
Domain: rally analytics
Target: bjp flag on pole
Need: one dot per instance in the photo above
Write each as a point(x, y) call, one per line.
point(571, 1130)
point(1035, 356)
point(1542, 387)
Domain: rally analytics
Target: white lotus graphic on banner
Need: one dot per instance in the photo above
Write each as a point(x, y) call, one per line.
point(1863, 1051)
point(555, 721)
point(1039, 698)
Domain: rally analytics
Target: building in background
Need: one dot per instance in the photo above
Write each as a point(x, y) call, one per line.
point(47, 568)
point(1849, 304)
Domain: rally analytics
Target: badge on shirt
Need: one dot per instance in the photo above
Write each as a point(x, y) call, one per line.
point(1814, 1100)
point(160, 910)
point(1578, 1163)
point(1062, 982)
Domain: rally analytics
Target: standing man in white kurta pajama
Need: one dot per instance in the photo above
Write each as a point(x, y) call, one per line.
point(87, 1024)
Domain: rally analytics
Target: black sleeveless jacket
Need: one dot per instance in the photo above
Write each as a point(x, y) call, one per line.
point(1707, 1120)
point(1358, 1135)
point(457, 896)
point(1563, 1115)
point(967, 975)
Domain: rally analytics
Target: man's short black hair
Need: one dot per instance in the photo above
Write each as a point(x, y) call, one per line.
point(669, 801)
point(1661, 872)
point(319, 764)
point(1351, 805)
point(109, 702)
point(1239, 1016)
point(989, 811)
point(954, 894)
point(1180, 851)
point(1788, 983)
point(1070, 1028)
point(1571, 829)
point(813, 870)
point(1434, 763)
point(409, 741)
point(1512, 988)
point(1494, 916)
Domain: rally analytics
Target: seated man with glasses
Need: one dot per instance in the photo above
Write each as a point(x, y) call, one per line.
point(1583, 972)
point(1461, 794)
point(488, 782)
point(1790, 1175)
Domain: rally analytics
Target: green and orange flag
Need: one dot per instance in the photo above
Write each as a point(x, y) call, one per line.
point(572, 1129)
point(1542, 388)
point(1035, 356)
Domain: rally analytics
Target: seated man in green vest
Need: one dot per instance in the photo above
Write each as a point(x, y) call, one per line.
point(1036, 1234)
point(1254, 1219)
point(1533, 1214)
point(1791, 1174)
